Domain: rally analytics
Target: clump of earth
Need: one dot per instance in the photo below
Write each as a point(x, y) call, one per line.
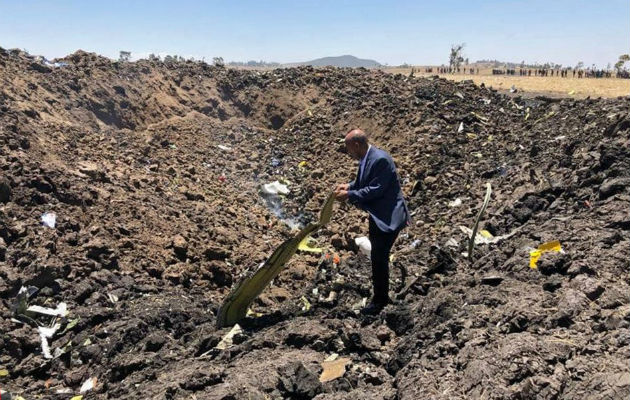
point(150, 177)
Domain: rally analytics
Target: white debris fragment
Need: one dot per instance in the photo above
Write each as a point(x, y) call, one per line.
point(88, 385)
point(228, 339)
point(60, 311)
point(455, 203)
point(480, 238)
point(364, 245)
point(49, 219)
point(44, 335)
point(275, 187)
point(452, 243)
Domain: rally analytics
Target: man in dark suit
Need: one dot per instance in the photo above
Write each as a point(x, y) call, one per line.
point(376, 190)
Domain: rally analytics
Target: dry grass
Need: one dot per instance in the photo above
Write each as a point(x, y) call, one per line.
point(554, 86)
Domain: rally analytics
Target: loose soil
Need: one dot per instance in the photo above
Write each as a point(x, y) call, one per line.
point(156, 222)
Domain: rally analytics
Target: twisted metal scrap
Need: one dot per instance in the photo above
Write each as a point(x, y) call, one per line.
point(486, 200)
point(235, 305)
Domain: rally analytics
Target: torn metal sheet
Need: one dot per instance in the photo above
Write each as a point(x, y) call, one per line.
point(535, 254)
point(485, 237)
point(473, 235)
point(21, 304)
point(60, 311)
point(88, 385)
point(228, 339)
point(235, 305)
point(309, 245)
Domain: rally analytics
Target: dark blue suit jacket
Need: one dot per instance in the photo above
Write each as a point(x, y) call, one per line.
point(378, 192)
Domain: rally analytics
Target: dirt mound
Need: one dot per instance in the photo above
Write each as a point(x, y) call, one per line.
point(153, 172)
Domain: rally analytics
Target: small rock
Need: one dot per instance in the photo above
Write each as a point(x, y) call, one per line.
point(213, 252)
point(180, 246)
point(317, 174)
point(298, 382)
point(430, 179)
point(176, 273)
point(91, 353)
point(218, 273)
point(202, 379)
point(612, 186)
point(5, 190)
point(155, 341)
point(492, 280)
point(192, 195)
point(92, 170)
point(3, 249)
point(552, 284)
point(587, 285)
point(337, 242)
point(383, 333)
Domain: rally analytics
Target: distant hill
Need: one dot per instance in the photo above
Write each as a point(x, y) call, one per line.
point(342, 61)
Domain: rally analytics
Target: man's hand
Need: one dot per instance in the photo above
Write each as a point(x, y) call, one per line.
point(342, 186)
point(341, 195)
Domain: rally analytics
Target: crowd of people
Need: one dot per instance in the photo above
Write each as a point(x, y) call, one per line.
point(564, 72)
point(449, 70)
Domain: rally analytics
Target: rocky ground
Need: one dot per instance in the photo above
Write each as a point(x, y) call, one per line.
point(154, 170)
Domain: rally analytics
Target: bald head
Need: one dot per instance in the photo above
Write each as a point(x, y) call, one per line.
point(356, 143)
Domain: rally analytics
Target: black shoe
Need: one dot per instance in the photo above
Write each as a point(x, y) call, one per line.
point(372, 309)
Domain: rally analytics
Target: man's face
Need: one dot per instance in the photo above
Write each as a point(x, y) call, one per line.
point(352, 148)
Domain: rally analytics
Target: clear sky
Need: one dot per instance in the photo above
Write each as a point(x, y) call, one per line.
point(392, 32)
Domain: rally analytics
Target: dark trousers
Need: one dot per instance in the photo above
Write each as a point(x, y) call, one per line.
point(382, 243)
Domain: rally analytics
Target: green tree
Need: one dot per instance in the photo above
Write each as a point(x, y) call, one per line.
point(218, 62)
point(124, 56)
point(456, 57)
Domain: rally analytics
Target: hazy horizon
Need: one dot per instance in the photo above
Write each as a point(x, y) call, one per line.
point(417, 33)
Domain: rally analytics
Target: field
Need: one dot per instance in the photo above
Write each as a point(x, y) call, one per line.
point(552, 86)
point(152, 174)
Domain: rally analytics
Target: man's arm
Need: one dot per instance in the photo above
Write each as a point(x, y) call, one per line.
point(382, 178)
